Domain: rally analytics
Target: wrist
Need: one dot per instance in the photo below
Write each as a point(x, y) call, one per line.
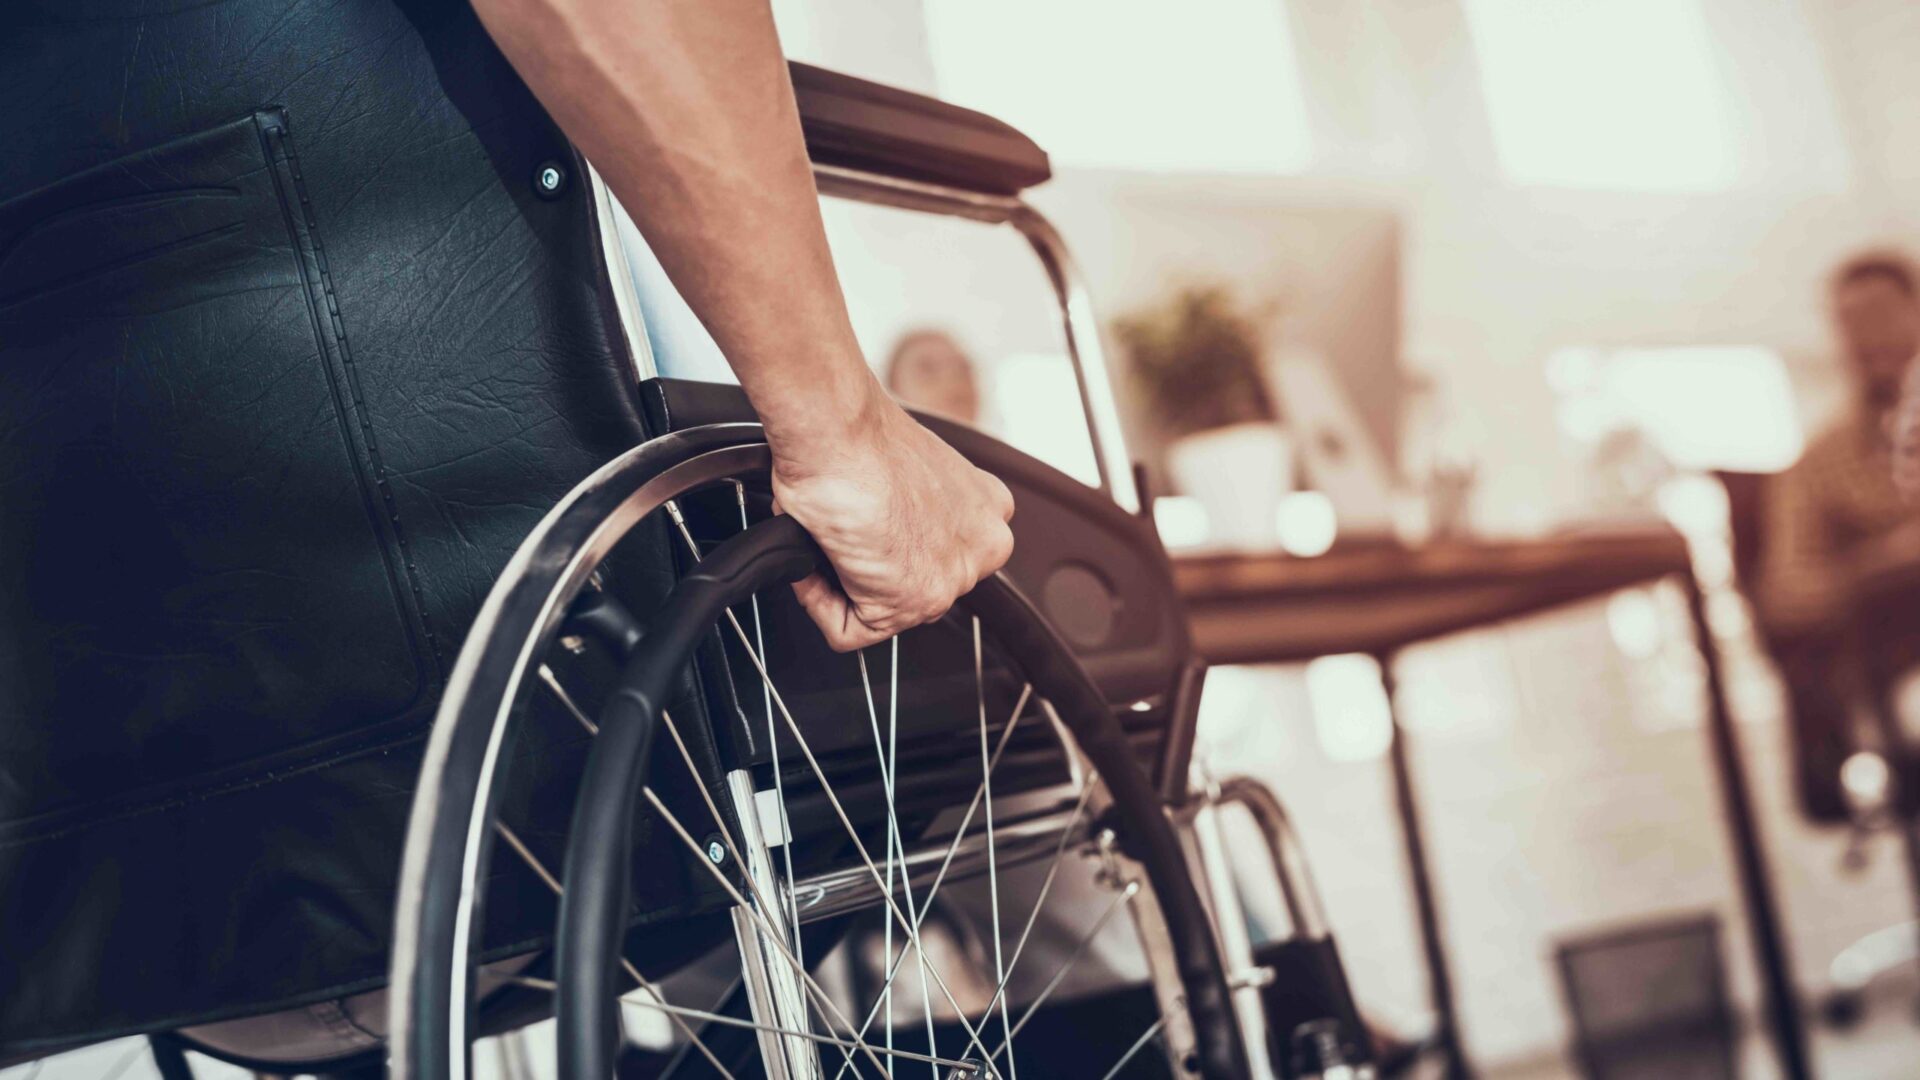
point(813, 424)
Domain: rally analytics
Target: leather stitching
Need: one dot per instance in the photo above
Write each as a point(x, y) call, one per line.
point(283, 142)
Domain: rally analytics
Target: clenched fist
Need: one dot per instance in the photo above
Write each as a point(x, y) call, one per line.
point(907, 523)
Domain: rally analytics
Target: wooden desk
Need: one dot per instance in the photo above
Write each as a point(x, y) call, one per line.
point(1249, 609)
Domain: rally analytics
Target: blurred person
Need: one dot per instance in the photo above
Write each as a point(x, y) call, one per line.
point(929, 371)
point(1838, 504)
point(1906, 437)
point(1836, 515)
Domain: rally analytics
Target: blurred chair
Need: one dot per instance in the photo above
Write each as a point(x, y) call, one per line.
point(1649, 1002)
point(1841, 768)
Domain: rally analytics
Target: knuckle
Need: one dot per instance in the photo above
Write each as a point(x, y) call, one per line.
point(1002, 499)
point(1001, 548)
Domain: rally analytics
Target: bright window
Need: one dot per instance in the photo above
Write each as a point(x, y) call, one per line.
point(1205, 86)
point(1351, 715)
point(1701, 406)
point(1622, 94)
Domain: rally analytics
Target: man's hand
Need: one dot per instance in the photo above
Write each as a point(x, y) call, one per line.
point(908, 524)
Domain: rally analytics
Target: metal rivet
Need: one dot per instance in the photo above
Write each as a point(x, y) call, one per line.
point(574, 644)
point(550, 180)
point(716, 851)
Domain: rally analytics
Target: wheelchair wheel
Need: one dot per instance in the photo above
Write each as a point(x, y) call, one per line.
point(740, 818)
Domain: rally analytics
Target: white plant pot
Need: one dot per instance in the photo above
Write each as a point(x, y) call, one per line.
point(1238, 474)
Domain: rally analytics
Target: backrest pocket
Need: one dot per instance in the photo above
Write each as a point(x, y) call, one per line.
point(202, 577)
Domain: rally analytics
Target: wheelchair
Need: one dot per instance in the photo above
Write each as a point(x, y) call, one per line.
point(650, 804)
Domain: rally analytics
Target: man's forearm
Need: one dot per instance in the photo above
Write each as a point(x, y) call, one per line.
point(685, 108)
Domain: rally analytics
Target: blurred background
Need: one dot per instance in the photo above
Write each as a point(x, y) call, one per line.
point(1463, 276)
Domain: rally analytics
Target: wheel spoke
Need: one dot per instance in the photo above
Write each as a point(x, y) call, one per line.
point(710, 1017)
point(680, 1058)
point(791, 955)
point(899, 841)
point(826, 787)
point(773, 743)
point(553, 684)
point(828, 1040)
point(825, 1003)
point(540, 869)
point(893, 825)
point(1046, 887)
point(953, 847)
point(720, 822)
point(993, 861)
point(673, 730)
point(979, 792)
point(846, 822)
point(1079, 950)
point(889, 762)
point(791, 949)
point(1145, 1038)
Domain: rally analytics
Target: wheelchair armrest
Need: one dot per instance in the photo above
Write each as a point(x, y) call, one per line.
point(880, 129)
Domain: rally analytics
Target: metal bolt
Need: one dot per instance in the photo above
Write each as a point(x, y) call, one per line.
point(574, 644)
point(549, 180)
point(716, 851)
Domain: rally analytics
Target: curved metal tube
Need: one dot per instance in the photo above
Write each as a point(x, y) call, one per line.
point(1283, 844)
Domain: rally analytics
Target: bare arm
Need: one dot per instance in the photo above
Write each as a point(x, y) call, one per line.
point(685, 108)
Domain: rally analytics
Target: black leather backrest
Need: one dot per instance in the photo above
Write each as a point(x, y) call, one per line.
point(292, 356)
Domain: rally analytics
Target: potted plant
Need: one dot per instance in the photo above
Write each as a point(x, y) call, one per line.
point(1195, 363)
